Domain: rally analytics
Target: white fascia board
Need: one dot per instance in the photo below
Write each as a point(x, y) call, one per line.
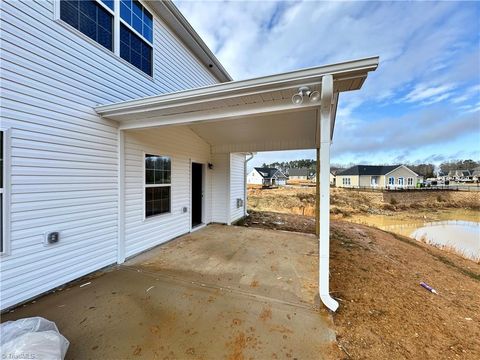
point(355, 69)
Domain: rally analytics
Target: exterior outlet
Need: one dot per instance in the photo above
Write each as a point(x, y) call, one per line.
point(51, 238)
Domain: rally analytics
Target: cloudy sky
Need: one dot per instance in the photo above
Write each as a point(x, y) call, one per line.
point(422, 103)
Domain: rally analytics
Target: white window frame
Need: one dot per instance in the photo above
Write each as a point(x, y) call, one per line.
point(116, 32)
point(402, 180)
point(5, 204)
point(391, 180)
point(145, 186)
point(410, 181)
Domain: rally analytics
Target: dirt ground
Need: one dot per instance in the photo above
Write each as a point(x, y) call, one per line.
point(384, 312)
point(347, 202)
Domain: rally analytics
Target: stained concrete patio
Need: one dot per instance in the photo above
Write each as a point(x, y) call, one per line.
point(218, 293)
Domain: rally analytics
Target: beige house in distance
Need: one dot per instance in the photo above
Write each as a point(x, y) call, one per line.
point(378, 176)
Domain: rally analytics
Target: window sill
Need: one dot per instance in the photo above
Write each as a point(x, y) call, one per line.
point(157, 216)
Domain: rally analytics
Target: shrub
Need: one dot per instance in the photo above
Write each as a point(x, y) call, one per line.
point(393, 201)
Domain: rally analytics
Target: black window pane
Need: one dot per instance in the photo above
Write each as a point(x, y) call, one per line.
point(137, 9)
point(135, 50)
point(136, 44)
point(109, 3)
point(90, 18)
point(148, 33)
point(69, 14)
point(125, 13)
point(146, 50)
point(150, 176)
point(89, 8)
point(146, 66)
point(88, 27)
point(149, 161)
point(105, 19)
point(105, 39)
point(137, 23)
point(125, 35)
point(147, 18)
point(136, 59)
point(157, 200)
point(150, 194)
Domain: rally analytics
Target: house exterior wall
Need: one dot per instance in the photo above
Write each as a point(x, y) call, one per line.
point(237, 186)
point(64, 165)
point(364, 180)
point(183, 147)
point(298, 177)
point(403, 172)
point(254, 178)
point(354, 180)
point(220, 188)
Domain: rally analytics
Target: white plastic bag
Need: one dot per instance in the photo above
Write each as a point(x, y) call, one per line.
point(32, 338)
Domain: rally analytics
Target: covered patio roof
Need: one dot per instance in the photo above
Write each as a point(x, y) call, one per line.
point(248, 115)
point(258, 115)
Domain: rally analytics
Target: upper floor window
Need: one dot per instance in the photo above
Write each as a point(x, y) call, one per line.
point(135, 15)
point(136, 35)
point(136, 51)
point(96, 19)
point(91, 18)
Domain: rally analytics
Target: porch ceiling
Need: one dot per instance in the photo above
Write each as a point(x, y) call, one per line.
point(248, 115)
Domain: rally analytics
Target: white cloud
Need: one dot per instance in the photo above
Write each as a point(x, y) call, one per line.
point(428, 52)
point(429, 94)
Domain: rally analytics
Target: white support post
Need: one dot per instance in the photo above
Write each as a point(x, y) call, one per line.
point(121, 198)
point(324, 238)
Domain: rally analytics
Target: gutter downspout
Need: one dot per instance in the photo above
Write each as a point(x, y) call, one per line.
point(324, 206)
point(252, 154)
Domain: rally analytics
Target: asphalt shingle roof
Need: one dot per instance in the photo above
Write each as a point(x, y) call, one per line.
point(268, 173)
point(300, 172)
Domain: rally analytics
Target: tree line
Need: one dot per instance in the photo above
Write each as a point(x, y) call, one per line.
point(426, 170)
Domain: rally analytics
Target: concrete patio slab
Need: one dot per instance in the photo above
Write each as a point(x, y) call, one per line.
point(193, 298)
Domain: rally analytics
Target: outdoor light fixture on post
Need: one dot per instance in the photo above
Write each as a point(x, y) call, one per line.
point(305, 91)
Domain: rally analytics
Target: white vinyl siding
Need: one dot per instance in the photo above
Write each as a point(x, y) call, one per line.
point(237, 186)
point(183, 146)
point(220, 188)
point(63, 155)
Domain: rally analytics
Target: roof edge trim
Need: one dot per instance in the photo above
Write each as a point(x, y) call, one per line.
point(360, 67)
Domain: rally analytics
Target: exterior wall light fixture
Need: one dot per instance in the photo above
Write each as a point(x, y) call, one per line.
point(305, 91)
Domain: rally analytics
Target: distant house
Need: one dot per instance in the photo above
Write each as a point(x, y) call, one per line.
point(476, 174)
point(460, 175)
point(332, 179)
point(266, 176)
point(378, 176)
point(301, 174)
